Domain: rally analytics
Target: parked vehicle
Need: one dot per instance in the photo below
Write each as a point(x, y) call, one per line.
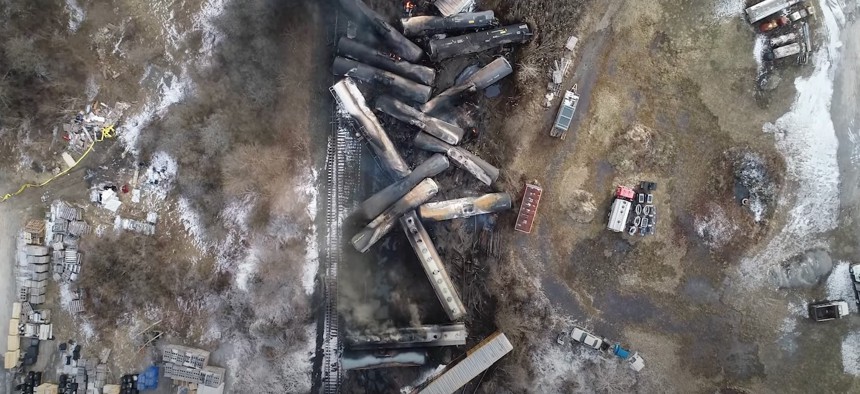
point(618, 215)
point(855, 278)
point(801, 13)
point(774, 23)
point(565, 114)
point(588, 339)
point(636, 362)
point(624, 192)
point(828, 310)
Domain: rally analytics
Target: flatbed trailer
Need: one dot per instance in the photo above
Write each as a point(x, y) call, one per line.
point(565, 114)
point(528, 208)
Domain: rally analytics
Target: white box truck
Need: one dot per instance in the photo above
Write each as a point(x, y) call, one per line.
point(618, 215)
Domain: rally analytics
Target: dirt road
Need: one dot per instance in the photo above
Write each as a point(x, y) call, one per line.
point(11, 215)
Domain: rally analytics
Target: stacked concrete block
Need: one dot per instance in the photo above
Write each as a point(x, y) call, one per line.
point(36, 282)
point(189, 365)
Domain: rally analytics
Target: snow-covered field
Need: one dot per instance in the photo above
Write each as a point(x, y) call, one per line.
point(807, 139)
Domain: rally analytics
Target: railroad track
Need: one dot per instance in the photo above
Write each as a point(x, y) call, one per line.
point(343, 171)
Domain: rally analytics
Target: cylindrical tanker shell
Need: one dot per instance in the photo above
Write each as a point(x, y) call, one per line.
point(399, 86)
point(426, 25)
point(392, 38)
point(377, 203)
point(476, 42)
point(481, 79)
point(465, 207)
point(373, 57)
point(438, 128)
point(383, 223)
point(352, 101)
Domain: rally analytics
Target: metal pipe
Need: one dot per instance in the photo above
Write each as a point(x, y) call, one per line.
point(383, 223)
point(449, 47)
point(433, 266)
point(438, 128)
point(377, 203)
point(485, 172)
point(376, 58)
point(392, 38)
point(465, 207)
point(491, 73)
point(426, 25)
point(352, 101)
point(402, 87)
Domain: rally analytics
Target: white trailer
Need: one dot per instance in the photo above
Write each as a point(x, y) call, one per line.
point(767, 8)
point(618, 215)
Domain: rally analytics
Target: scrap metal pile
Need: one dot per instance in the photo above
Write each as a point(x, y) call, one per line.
point(402, 79)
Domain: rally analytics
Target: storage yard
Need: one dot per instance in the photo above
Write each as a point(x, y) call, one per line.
point(436, 196)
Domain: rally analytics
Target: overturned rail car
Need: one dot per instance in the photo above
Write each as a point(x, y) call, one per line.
point(491, 73)
point(480, 169)
point(465, 207)
point(403, 112)
point(399, 86)
point(426, 25)
point(433, 266)
point(392, 38)
point(384, 198)
point(385, 61)
point(445, 48)
point(383, 223)
point(352, 101)
point(409, 337)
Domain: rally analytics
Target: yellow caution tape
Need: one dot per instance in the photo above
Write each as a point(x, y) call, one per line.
point(106, 132)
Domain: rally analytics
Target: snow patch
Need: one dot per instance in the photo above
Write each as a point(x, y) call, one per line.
point(715, 228)
point(788, 328)
point(298, 365)
point(851, 353)
point(205, 21)
point(724, 9)
point(87, 330)
point(557, 365)
point(758, 52)
point(169, 89)
point(92, 89)
point(840, 286)
point(312, 252)
point(159, 176)
point(237, 212)
point(76, 15)
point(246, 269)
point(65, 296)
point(191, 222)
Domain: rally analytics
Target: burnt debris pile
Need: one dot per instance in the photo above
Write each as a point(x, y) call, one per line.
point(392, 89)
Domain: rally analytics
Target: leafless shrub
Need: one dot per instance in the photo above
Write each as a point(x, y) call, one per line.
point(135, 272)
point(23, 57)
